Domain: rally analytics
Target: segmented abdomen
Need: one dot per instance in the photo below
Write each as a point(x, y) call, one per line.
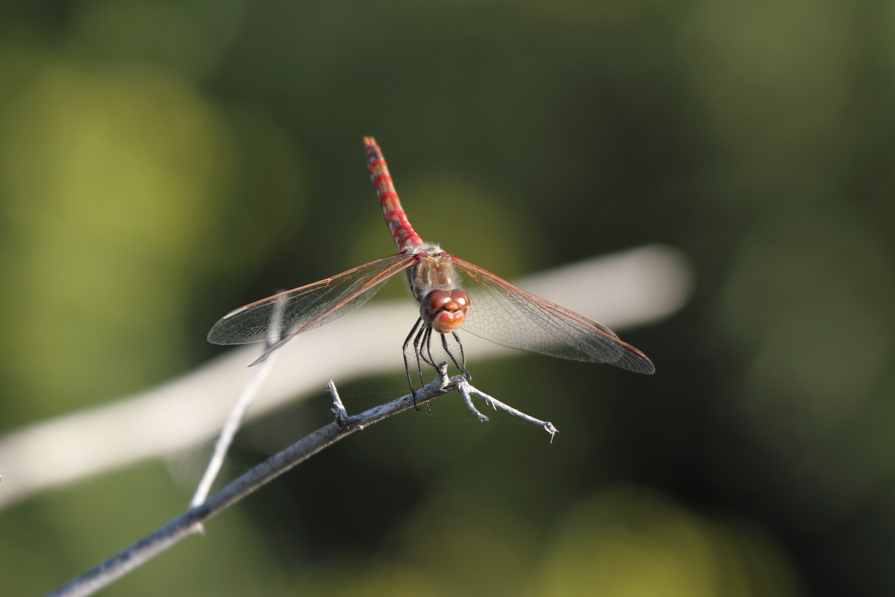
point(402, 232)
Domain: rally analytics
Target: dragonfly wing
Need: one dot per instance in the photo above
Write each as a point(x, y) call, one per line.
point(507, 315)
point(280, 317)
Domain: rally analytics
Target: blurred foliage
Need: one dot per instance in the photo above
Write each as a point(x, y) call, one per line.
point(163, 161)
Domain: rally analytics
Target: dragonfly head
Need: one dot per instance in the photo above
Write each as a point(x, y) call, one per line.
point(445, 310)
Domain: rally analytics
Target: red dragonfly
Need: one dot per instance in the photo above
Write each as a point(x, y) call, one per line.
point(452, 293)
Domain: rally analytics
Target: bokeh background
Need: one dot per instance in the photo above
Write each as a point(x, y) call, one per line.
point(163, 161)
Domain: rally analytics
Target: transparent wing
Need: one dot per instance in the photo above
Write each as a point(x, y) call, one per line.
point(282, 316)
point(507, 315)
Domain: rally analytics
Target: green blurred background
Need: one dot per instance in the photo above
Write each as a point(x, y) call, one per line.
point(162, 162)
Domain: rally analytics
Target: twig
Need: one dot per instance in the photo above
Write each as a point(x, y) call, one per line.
point(181, 526)
point(339, 408)
point(467, 390)
point(344, 425)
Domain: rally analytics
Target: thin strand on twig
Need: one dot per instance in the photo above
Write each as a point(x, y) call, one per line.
point(231, 426)
point(234, 420)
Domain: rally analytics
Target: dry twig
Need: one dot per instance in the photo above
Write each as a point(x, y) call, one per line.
point(191, 520)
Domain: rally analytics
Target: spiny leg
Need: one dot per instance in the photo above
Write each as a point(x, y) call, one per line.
point(426, 348)
point(427, 343)
point(413, 331)
point(462, 357)
point(450, 354)
point(416, 351)
point(419, 346)
point(419, 366)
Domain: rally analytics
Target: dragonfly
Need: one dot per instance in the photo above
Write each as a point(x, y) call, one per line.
point(452, 294)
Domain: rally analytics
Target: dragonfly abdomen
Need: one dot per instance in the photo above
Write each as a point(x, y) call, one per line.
point(402, 232)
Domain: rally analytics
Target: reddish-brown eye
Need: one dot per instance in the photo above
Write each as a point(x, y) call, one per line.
point(461, 298)
point(445, 311)
point(433, 303)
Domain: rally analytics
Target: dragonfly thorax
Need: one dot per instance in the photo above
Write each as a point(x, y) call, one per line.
point(433, 271)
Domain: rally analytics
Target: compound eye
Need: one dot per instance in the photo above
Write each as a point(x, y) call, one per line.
point(433, 303)
point(461, 298)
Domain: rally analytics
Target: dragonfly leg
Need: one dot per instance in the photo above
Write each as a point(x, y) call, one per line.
point(460, 367)
point(416, 352)
point(424, 348)
point(419, 365)
point(417, 342)
point(462, 357)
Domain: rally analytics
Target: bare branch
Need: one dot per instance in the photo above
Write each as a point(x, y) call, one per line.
point(343, 426)
point(339, 408)
point(467, 390)
point(187, 523)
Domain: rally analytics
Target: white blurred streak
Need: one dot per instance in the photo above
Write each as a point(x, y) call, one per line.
point(626, 289)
